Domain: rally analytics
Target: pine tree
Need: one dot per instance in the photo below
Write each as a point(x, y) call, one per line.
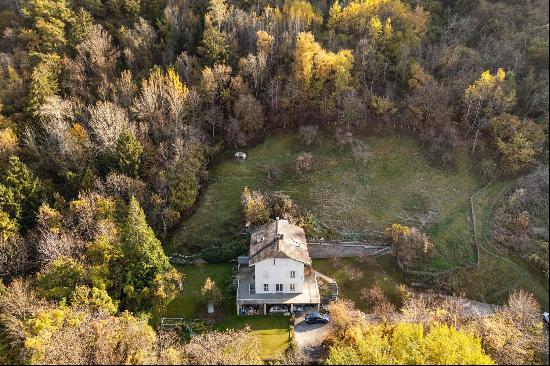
point(44, 81)
point(22, 192)
point(128, 153)
point(144, 260)
point(213, 48)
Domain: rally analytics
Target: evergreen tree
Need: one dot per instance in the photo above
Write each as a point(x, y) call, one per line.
point(128, 153)
point(44, 81)
point(213, 48)
point(144, 260)
point(21, 192)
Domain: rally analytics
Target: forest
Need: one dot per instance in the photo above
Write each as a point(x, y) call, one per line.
point(113, 112)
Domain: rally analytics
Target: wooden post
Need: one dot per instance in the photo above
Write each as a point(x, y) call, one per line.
point(238, 309)
point(291, 308)
point(265, 309)
point(318, 307)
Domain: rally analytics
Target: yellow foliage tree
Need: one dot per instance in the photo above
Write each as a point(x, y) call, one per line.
point(316, 69)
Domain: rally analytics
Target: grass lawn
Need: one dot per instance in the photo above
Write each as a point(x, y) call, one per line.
point(499, 272)
point(272, 330)
point(353, 198)
point(381, 271)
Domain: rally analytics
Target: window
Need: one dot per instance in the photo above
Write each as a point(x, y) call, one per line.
point(292, 287)
point(279, 287)
point(266, 286)
point(292, 274)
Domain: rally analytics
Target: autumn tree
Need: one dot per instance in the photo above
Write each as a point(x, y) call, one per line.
point(8, 144)
point(411, 245)
point(488, 96)
point(219, 348)
point(518, 142)
point(161, 104)
point(89, 75)
point(255, 208)
point(249, 112)
point(49, 21)
point(210, 292)
point(282, 206)
point(407, 343)
point(59, 279)
point(107, 122)
point(317, 70)
point(139, 44)
point(514, 334)
point(345, 316)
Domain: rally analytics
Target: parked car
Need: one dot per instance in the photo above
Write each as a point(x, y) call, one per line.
point(298, 309)
point(313, 318)
point(278, 310)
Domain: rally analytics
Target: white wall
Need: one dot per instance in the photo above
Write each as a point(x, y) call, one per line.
point(277, 270)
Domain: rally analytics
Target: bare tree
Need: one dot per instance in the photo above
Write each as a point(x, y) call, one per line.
point(107, 121)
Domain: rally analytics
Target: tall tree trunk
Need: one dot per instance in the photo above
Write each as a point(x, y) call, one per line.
point(475, 141)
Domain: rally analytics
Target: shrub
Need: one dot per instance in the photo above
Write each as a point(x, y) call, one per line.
point(227, 251)
point(379, 304)
point(304, 163)
point(308, 134)
point(210, 292)
point(255, 207)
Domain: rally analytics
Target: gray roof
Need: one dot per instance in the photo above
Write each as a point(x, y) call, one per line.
point(278, 239)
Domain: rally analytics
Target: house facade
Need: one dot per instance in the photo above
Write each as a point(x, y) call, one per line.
point(279, 275)
point(278, 269)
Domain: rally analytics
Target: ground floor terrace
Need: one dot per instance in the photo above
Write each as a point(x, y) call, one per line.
point(249, 302)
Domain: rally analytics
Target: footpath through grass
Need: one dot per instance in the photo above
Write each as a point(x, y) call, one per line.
point(352, 196)
point(271, 330)
point(499, 272)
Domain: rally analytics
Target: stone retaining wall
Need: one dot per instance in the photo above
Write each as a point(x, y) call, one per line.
point(342, 250)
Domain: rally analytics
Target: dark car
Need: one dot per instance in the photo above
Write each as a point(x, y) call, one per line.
point(313, 318)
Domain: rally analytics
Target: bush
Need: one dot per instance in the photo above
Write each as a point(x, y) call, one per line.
point(272, 172)
point(304, 163)
point(377, 301)
point(225, 252)
point(308, 134)
point(360, 151)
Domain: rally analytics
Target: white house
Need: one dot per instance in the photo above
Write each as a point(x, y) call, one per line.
point(278, 269)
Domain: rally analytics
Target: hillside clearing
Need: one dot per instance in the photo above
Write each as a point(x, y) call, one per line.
point(352, 197)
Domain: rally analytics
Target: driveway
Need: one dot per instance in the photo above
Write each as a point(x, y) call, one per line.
point(309, 338)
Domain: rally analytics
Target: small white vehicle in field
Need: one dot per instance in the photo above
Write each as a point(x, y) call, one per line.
point(240, 155)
